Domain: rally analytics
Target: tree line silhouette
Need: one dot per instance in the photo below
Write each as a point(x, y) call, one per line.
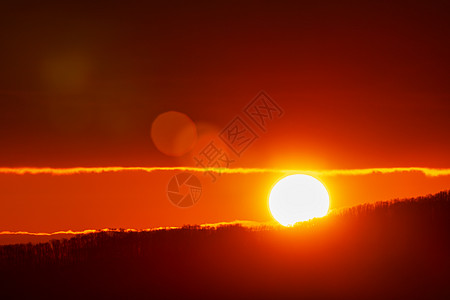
point(395, 249)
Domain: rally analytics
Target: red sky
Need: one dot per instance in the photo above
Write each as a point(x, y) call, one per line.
point(362, 85)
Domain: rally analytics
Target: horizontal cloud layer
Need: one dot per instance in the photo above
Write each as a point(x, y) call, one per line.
point(332, 172)
point(244, 223)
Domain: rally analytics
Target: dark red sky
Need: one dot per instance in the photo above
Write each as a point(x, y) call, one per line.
point(362, 84)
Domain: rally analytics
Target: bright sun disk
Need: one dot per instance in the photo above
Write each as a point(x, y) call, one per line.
point(297, 198)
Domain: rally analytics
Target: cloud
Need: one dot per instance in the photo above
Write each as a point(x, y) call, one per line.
point(244, 223)
point(432, 172)
point(48, 234)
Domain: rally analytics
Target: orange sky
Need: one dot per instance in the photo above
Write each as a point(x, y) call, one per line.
point(135, 199)
point(361, 85)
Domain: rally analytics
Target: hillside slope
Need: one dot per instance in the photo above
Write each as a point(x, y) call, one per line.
point(397, 249)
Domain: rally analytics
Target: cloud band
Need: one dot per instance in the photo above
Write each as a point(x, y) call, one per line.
point(432, 172)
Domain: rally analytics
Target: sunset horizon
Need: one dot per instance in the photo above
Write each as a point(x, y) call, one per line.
point(225, 149)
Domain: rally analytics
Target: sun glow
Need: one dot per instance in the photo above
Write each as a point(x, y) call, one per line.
point(297, 198)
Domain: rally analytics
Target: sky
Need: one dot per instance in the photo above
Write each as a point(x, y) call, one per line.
point(357, 85)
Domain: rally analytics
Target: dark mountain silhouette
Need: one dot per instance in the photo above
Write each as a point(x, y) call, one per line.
point(387, 250)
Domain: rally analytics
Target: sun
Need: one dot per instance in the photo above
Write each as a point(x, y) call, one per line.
point(297, 198)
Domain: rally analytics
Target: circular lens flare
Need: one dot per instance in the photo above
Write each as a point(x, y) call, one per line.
point(173, 133)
